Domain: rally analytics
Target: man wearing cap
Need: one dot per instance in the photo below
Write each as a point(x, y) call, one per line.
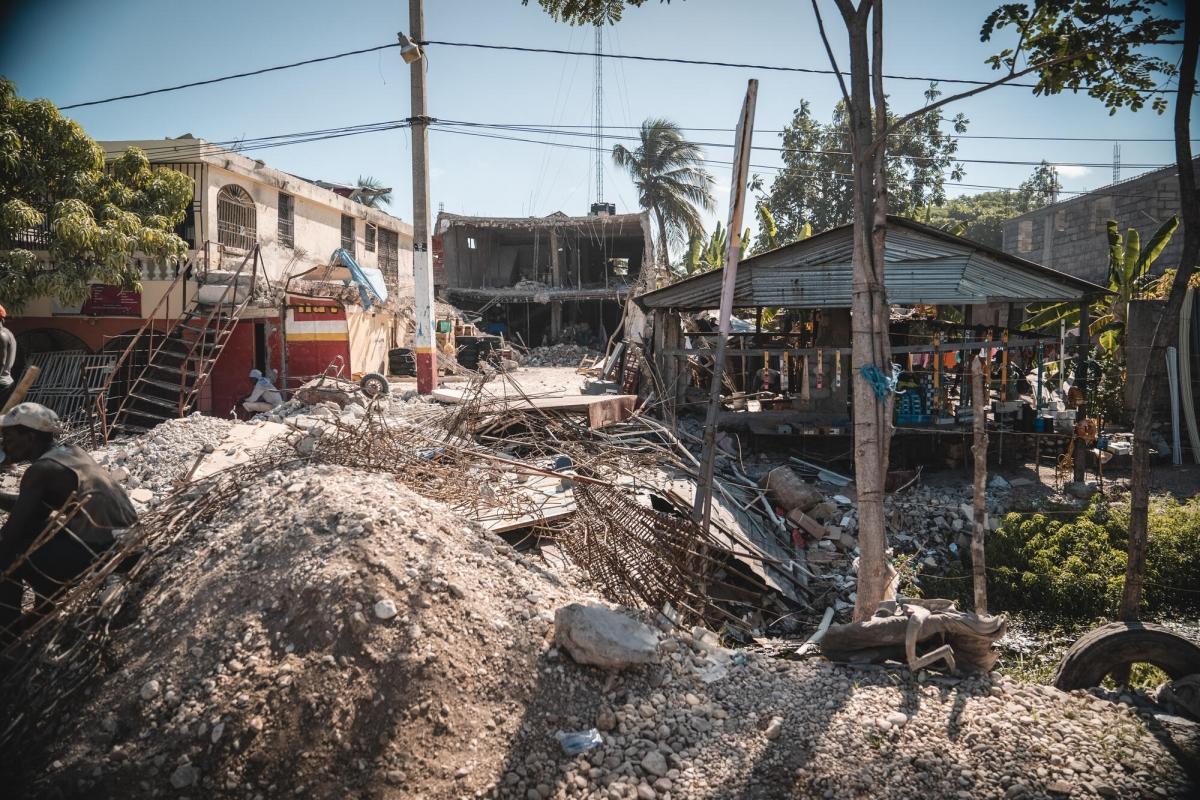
point(264, 397)
point(57, 473)
point(8, 356)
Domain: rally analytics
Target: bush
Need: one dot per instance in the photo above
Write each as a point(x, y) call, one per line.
point(1076, 567)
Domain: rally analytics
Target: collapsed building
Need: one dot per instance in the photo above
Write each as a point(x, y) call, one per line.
point(543, 280)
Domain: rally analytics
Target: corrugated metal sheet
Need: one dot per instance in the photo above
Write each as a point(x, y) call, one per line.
point(923, 266)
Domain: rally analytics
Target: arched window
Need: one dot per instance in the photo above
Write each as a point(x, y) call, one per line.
point(236, 218)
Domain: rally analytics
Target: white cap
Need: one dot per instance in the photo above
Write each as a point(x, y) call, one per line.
point(256, 374)
point(32, 415)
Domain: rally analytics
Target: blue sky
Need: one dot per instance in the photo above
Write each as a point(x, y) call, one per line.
point(71, 51)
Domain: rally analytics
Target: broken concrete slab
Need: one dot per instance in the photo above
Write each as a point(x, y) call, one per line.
point(596, 635)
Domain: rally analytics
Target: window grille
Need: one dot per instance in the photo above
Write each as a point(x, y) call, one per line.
point(370, 238)
point(389, 257)
point(348, 234)
point(287, 220)
point(236, 218)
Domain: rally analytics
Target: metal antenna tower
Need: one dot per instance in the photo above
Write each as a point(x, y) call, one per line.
point(598, 113)
point(1116, 161)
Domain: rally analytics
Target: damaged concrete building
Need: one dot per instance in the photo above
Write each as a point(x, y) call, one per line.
point(543, 280)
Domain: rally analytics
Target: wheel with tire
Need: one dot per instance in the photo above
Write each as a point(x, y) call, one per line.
point(1114, 647)
point(373, 384)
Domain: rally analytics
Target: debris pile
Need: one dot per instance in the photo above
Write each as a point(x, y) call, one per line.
point(326, 633)
point(558, 355)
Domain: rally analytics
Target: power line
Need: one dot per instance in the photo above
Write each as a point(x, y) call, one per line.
point(223, 78)
point(737, 65)
point(953, 136)
point(767, 148)
point(552, 51)
point(776, 167)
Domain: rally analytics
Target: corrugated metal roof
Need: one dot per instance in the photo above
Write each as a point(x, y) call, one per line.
point(924, 265)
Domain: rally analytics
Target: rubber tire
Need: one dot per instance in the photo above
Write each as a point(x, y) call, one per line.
point(380, 383)
point(1111, 646)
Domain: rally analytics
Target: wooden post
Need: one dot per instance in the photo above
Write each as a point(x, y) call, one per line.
point(1080, 455)
point(978, 567)
point(702, 510)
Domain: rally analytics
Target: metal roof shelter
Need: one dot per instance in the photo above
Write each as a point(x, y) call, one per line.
point(924, 265)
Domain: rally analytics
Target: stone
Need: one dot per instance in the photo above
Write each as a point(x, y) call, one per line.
point(596, 635)
point(386, 608)
point(141, 495)
point(655, 763)
point(646, 792)
point(897, 719)
point(184, 776)
point(150, 689)
point(1083, 491)
point(606, 720)
point(774, 728)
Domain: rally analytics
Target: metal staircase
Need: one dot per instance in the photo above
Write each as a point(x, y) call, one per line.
point(165, 365)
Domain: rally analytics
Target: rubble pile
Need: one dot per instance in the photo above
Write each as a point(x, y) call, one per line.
point(151, 464)
point(558, 355)
point(329, 634)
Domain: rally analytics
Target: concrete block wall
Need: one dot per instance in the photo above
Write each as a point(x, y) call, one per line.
point(1070, 236)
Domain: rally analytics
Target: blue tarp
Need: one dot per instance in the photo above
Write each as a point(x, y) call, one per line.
point(368, 279)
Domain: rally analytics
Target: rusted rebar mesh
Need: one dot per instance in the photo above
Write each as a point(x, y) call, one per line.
point(52, 651)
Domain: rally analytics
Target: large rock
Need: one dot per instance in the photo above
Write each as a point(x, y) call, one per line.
point(790, 490)
point(605, 638)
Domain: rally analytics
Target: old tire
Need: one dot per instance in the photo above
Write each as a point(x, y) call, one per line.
point(373, 384)
point(1112, 647)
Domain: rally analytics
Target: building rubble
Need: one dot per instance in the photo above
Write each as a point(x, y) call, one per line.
point(316, 609)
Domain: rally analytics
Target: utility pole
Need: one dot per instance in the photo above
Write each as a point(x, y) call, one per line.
point(424, 345)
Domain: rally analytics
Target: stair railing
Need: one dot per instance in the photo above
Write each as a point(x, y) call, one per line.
point(150, 332)
point(187, 395)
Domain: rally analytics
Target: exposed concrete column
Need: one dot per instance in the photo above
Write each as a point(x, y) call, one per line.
point(555, 274)
point(555, 320)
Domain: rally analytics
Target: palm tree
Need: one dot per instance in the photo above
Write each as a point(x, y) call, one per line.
point(371, 192)
point(670, 183)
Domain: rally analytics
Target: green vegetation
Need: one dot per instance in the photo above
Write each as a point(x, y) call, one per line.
point(813, 188)
point(56, 195)
point(981, 216)
point(1075, 568)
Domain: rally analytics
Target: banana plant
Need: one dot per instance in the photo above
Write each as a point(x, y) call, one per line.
point(1128, 273)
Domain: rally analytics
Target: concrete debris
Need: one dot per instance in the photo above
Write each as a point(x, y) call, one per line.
point(604, 638)
point(559, 355)
point(250, 624)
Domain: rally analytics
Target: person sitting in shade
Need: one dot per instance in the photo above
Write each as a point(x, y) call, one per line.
point(58, 474)
point(264, 396)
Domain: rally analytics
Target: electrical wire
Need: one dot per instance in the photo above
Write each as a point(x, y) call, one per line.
point(235, 76)
point(767, 148)
point(776, 167)
point(551, 51)
point(737, 65)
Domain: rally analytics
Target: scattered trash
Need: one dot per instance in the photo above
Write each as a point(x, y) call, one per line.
point(576, 742)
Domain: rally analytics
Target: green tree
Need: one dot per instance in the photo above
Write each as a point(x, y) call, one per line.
point(813, 186)
point(981, 216)
point(57, 196)
point(371, 192)
point(588, 12)
point(669, 181)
